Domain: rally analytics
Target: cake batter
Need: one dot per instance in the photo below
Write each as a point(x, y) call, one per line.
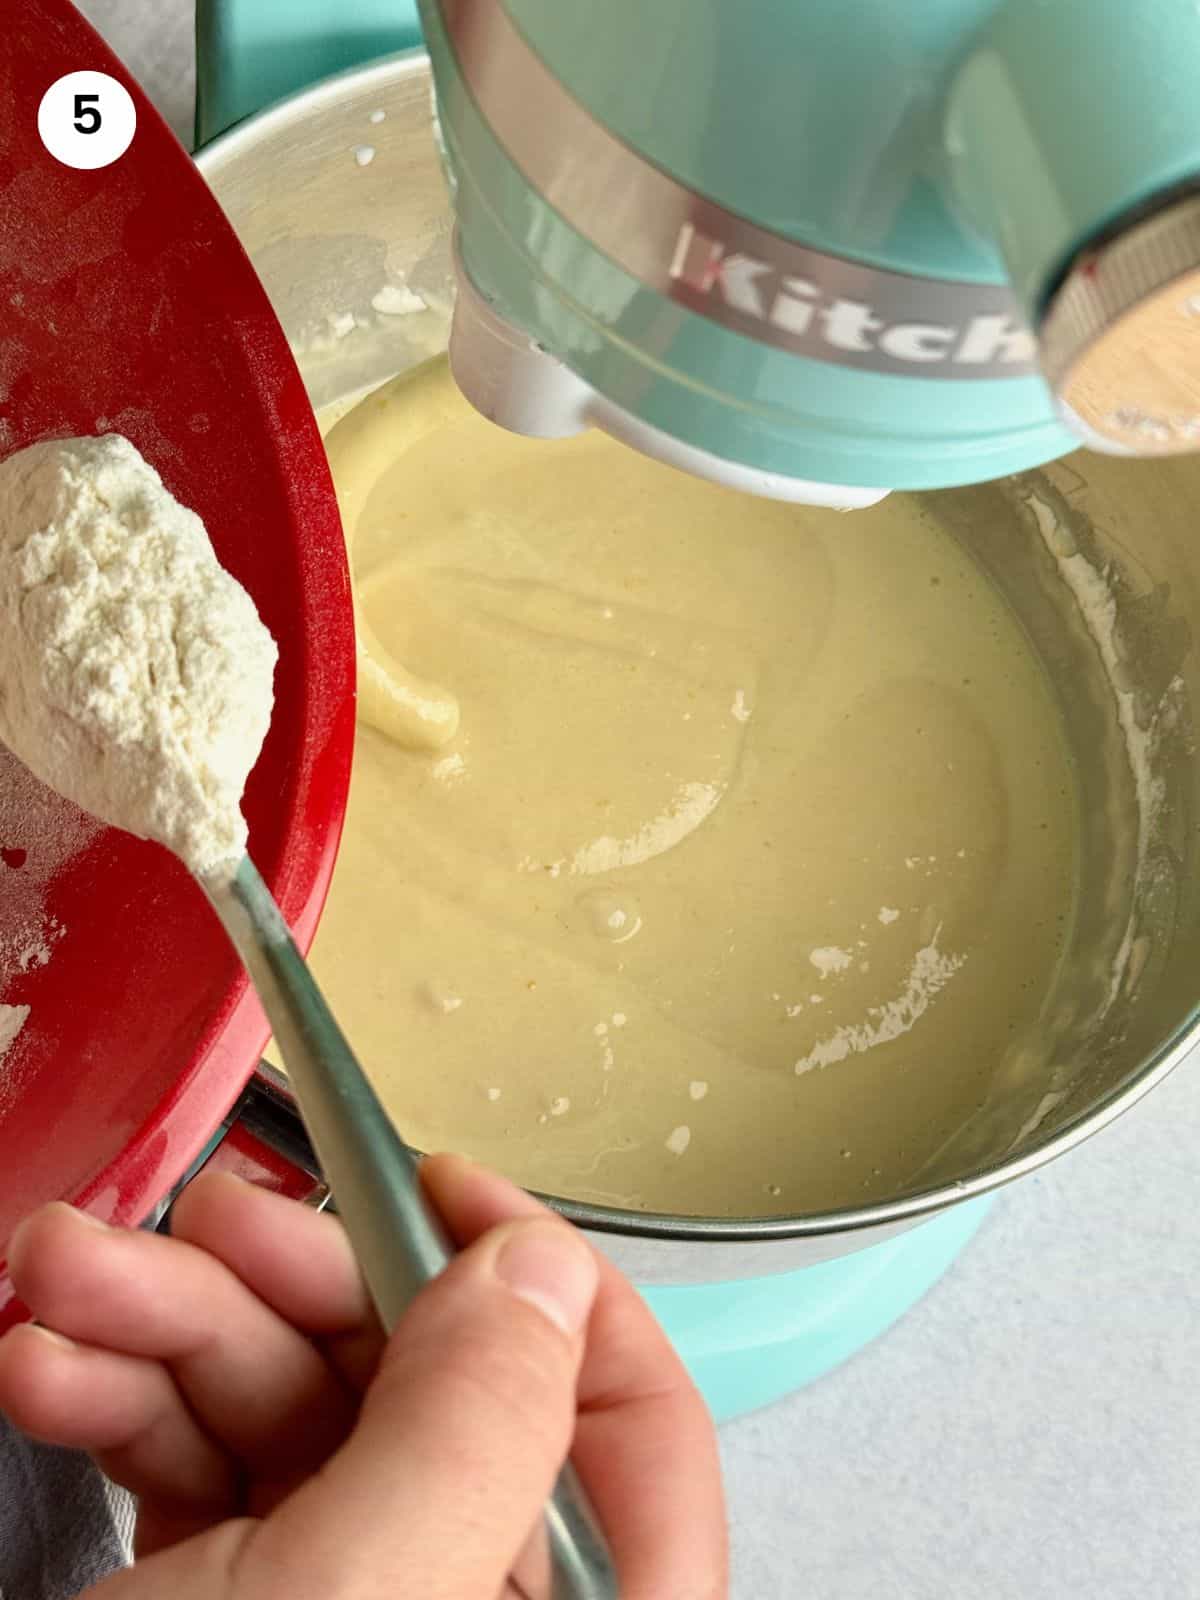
point(706, 854)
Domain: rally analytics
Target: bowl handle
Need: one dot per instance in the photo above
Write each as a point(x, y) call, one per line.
point(250, 53)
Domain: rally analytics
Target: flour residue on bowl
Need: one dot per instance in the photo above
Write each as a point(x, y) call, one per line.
point(40, 835)
point(689, 807)
point(829, 959)
point(1096, 600)
point(12, 1020)
point(929, 974)
point(397, 300)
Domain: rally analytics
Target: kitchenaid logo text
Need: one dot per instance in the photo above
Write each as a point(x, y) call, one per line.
point(783, 308)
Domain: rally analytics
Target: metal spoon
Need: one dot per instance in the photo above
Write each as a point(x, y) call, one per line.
point(398, 1238)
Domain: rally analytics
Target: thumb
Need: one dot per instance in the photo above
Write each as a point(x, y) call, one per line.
point(461, 1434)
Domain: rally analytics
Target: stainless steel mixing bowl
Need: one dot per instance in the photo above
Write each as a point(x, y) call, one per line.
point(1099, 558)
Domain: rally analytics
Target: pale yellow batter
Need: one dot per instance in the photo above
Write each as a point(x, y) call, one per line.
point(753, 849)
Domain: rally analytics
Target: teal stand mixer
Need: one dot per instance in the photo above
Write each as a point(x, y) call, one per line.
point(817, 252)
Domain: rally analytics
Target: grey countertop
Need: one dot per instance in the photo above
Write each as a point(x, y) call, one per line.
point(1032, 1430)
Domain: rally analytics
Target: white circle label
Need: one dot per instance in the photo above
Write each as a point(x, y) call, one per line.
point(87, 120)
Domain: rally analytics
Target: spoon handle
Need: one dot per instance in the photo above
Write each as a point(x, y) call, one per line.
point(398, 1238)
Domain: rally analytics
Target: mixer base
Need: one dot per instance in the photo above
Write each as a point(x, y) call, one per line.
point(748, 1344)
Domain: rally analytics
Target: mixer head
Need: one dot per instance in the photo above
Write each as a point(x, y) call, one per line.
point(819, 252)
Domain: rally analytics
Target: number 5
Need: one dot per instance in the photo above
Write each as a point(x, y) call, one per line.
point(87, 118)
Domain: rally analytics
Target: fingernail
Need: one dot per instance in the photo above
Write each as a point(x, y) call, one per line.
point(60, 1341)
point(550, 1267)
point(89, 1220)
point(18, 1238)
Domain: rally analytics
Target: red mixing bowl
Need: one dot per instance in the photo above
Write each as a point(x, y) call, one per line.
point(127, 304)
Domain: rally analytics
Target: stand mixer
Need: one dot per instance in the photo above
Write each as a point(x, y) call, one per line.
point(819, 252)
point(812, 261)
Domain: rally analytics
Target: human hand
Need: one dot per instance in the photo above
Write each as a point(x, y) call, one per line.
point(234, 1377)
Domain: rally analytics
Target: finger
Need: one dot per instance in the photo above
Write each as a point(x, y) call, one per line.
point(254, 1383)
point(206, 1567)
point(297, 1260)
point(461, 1434)
point(127, 1412)
point(645, 1445)
point(215, 1565)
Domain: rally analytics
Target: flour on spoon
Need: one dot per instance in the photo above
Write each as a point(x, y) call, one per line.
point(135, 673)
